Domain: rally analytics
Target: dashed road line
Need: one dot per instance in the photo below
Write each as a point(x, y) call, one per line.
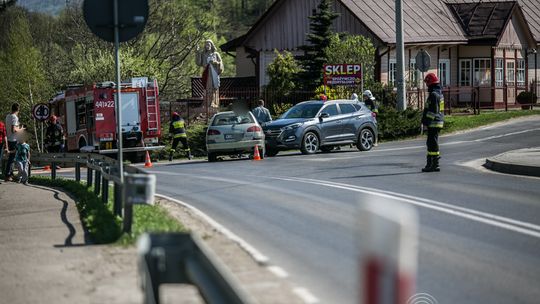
point(278, 271)
point(305, 295)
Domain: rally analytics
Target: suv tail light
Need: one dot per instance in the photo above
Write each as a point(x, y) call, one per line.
point(254, 129)
point(213, 132)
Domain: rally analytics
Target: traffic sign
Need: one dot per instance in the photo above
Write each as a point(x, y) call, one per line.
point(132, 17)
point(41, 111)
point(423, 61)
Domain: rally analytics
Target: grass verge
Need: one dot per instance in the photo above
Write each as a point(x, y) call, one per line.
point(458, 123)
point(99, 220)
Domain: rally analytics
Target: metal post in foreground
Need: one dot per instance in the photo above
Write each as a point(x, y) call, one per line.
point(97, 183)
point(388, 253)
point(117, 207)
point(118, 107)
point(89, 175)
point(53, 170)
point(400, 58)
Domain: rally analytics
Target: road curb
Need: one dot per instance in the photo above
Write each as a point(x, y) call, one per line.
point(509, 168)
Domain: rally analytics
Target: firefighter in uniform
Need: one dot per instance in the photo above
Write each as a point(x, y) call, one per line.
point(370, 101)
point(54, 136)
point(177, 129)
point(433, 121)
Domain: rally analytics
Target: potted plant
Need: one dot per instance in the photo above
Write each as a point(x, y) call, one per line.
point(526, 100)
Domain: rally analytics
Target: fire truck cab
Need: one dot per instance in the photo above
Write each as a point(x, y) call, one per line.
point(87, 114)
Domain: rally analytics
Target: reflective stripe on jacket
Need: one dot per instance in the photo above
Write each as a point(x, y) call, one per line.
point(433, 116)
point(178, 128)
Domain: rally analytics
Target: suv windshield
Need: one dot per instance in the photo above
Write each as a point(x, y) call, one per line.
point(232, 119)
point(306, 110)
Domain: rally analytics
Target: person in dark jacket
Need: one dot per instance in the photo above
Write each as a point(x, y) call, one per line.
point(177, 129)
point(433, 121)
point(370, 101)
point(54, 136)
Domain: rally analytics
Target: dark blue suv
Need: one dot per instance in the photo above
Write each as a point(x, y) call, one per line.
point(316, 125)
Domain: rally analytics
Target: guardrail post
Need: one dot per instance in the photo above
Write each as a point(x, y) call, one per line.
point(105, 191)
point(117, 208)
point(77, 172)
point(89, 175)
point(97, 183)
point(128, 217)
point(53, 170)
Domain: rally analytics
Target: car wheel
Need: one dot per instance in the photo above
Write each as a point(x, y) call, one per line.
point(365, 140)
point(327, 149)
point(310, 143)
point(271, 152)
point(212, 157)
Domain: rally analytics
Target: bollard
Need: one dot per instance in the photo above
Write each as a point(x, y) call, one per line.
point(97, 182)
point(118, 192)
point(127, 218)
point(77, 172)
point(388, 253)
point(53, 171)
point(105, 191)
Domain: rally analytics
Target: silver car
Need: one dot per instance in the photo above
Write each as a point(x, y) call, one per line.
point(231, 133)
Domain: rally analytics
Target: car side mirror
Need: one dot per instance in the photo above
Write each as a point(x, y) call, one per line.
point(324, 115)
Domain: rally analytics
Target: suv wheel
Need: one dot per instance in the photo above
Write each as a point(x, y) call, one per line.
point(365, 140)
point(310, 143)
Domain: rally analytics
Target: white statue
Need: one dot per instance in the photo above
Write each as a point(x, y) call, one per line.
point(211, 61)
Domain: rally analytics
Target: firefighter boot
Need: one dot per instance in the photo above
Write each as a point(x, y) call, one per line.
point(435, 164)
point(429, 164)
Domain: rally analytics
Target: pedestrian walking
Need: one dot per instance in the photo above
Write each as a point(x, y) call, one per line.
point(370, 101)
point(433, 121)
point(22, 158)
point(3, 144)
point(12, 128)
point(177, 129)
point(54, 138)
point(261, 113)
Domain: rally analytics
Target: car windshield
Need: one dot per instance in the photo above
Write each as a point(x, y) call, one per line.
point(306, 110)
point(232, 119)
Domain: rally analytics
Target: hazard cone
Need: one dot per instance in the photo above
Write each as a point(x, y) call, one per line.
point(256, 155)
point(47, 168)
point(147, 161)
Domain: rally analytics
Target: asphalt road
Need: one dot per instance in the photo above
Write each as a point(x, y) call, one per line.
point(479, 231)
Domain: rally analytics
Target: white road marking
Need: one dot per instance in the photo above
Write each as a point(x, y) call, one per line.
point(278, 271)
point(305, 295)
point(260, 258)
point(474, 215)
point(471, 214)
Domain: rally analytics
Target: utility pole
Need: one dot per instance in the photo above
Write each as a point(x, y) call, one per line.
point(400, 58)
point(118, 94)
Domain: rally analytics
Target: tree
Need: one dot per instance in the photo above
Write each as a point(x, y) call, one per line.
point(283, 72)
point(320, 24)
point(353, 49)
point(23, 78)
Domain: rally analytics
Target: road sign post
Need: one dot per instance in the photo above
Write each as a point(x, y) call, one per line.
point(400, 58)
point(121, 22)
point(423, 62)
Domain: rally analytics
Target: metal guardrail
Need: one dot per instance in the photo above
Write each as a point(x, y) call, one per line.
point(181, 258)
point(164, 258)
point(101, 170)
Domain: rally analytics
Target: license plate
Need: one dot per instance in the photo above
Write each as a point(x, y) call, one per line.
point(229, 136)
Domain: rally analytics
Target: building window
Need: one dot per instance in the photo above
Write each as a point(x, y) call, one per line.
point(392, 72)
point(499, 73)
point(465, 72)
point(444, 72)
point(413, 73)
point(482, 72)
point(521, 72)
point(510, 72)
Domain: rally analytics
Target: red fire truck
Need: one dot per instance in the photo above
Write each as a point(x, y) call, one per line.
point(87, 114)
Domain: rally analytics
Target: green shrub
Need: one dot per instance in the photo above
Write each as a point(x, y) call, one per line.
point(526, 98)
point(394, 124)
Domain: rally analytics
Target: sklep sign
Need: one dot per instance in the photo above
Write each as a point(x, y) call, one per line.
point(342, 74)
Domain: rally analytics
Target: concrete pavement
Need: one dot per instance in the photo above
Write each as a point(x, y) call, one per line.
point(520, 162)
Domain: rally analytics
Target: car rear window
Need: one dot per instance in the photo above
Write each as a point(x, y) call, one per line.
point(331, 110)
point(347, 108)
point(232, 119)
